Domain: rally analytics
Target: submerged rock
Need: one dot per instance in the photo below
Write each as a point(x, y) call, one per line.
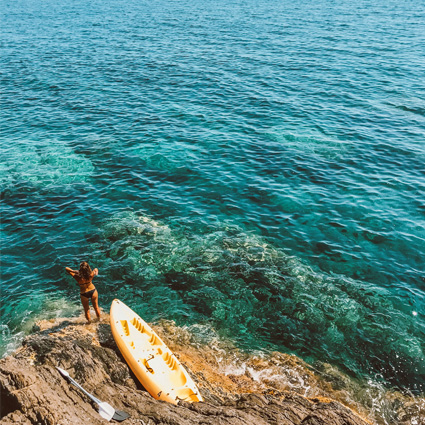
point(33, 391)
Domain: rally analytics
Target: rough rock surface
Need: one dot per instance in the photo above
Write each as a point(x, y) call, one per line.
point(33, 392)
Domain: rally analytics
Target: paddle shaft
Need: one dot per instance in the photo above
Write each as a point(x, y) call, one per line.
point(92, 397)
point(105, 409)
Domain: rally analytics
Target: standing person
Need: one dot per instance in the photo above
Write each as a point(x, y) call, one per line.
point(88, 292)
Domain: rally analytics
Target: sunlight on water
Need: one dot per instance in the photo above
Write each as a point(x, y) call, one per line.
point(256, 168)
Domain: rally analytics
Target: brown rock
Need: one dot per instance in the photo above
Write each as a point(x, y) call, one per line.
point(33, 392)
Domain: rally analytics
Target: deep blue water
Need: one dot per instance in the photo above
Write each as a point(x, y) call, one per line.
point(257, 165)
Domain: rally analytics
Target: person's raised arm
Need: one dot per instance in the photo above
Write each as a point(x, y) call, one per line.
point(95, 272)
point(70, 271)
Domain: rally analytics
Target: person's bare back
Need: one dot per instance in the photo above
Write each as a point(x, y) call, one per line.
point(88, 291)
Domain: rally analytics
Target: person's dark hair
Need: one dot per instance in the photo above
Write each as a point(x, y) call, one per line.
point(85, 271)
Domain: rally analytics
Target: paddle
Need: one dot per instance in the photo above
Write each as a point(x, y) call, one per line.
point(105, 410)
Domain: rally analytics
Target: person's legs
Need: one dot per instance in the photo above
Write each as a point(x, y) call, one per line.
point(86, 305)
point(94, 300)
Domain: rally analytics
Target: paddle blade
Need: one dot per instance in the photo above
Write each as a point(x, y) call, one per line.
point(120, 416)
point(106, 411)
point(63, 371)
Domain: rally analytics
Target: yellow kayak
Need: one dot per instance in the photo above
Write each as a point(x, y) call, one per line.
point(155, 366)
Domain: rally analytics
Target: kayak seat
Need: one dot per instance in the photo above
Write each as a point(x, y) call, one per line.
point(175, 376)
point(187, 394)
point(141, 342)
point(178, 378)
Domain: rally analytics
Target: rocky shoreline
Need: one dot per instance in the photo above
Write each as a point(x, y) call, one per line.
point(33, 392)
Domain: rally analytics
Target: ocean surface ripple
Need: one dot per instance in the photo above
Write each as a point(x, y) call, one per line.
point(254, 165)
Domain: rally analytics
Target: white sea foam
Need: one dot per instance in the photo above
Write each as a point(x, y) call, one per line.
point(44, 307)
point(283, 372)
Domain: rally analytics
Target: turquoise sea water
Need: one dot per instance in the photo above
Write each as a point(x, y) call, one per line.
point(254, 165)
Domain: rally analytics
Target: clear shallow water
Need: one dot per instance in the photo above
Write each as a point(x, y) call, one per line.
point(257, 165)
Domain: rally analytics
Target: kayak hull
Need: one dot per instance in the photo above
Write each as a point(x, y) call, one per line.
point(153, 363)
